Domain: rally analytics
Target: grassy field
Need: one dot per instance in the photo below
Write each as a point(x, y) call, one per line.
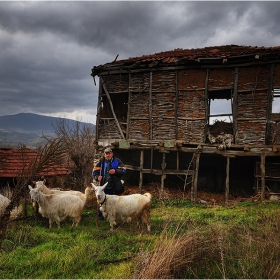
point(187, 241)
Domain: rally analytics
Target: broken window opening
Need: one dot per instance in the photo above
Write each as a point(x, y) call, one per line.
point(112, 122)
point(276, 101)
point(221, 110)
point(220, 119)
point(119, 101)
point(220, 106)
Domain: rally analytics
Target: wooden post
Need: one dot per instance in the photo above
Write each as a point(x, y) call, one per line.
point(128, 108)
point(141, 170)
point(176, 105)
point(234, 103)
point(163, 176)
point(268, 139)
point(152, 158)
point(194, 185)
point(98, 112)
point(262, 166)
point(178, 160)
point(151, 106)
point(206, 104)
point(227, 180)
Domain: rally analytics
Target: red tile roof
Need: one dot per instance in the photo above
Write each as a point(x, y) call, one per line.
point(14, 161)
point(187, 55)
point(208, 52)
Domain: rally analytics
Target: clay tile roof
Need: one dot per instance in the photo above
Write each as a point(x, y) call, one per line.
point(176, 55)
point(216, 51)
point(14, 161)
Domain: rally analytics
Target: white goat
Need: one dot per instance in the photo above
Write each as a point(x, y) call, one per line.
point(46, 190)
point(57, 207)
point(124, 208)
point(4, 202)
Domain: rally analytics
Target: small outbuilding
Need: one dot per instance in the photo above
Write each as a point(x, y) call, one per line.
point(205, 118)
point(17, 164)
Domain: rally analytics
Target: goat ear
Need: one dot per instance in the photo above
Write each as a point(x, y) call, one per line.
point(30, 187)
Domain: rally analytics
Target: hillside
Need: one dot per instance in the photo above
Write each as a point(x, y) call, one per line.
point(28, 129)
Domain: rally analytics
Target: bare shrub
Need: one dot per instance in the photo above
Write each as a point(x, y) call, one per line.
point(216, 251)
point(255, 253)
point(77, 146)
point(171, 254)
point(45, 158)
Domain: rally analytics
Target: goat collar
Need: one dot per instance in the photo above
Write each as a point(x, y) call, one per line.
point(101, 203)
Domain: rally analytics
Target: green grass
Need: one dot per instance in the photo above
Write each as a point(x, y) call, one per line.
point(231, 242)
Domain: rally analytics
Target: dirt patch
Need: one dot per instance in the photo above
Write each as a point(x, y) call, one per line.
point(203, 197)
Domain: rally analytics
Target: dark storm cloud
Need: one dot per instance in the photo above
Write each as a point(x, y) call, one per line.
point(49, 48)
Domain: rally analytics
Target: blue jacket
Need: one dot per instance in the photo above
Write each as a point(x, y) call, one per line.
point(102, 168)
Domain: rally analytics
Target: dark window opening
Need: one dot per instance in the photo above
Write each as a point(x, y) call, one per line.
point(220, 120)
point(119, 103)
point(220, 94)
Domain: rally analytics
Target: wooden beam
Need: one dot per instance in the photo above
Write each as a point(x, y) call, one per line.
point(159, 171)
point(220, 115)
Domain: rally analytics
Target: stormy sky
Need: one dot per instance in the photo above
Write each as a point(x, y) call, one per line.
point(47, 49)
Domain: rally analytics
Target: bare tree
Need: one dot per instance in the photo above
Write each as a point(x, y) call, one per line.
point(46, 159)
point(78, 144)
point(73, 147)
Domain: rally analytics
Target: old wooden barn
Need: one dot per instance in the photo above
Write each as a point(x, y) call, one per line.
point(200, 118)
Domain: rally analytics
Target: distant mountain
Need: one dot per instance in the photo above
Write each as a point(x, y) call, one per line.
point(28, 129)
